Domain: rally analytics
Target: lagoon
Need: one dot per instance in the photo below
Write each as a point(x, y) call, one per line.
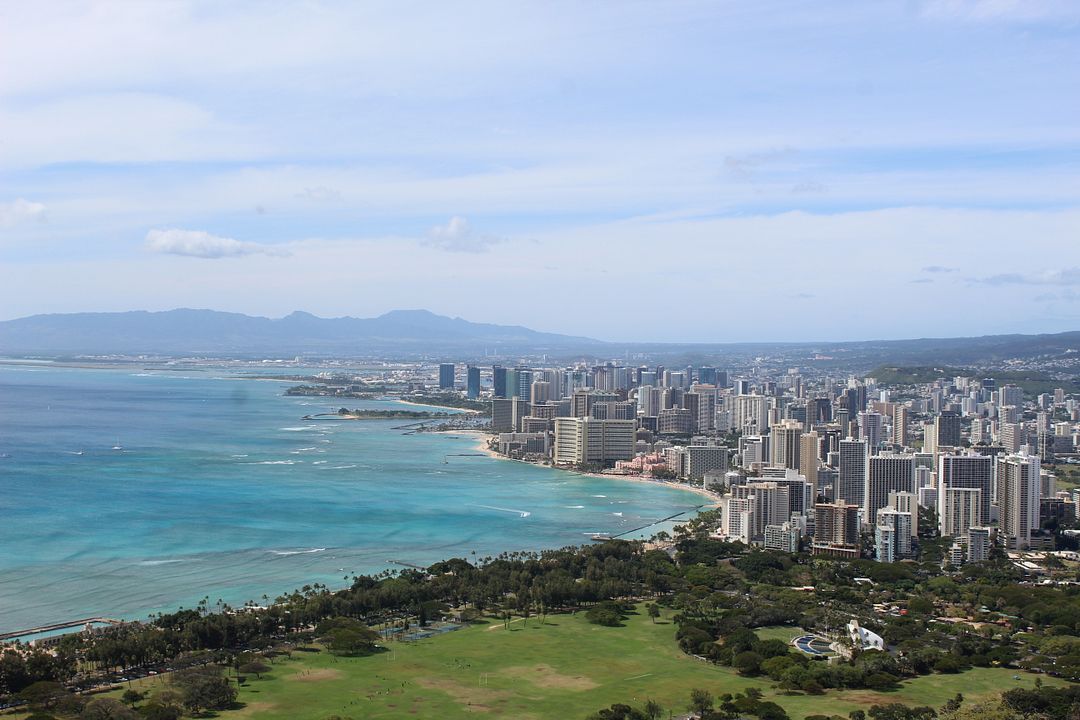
point(220, 490)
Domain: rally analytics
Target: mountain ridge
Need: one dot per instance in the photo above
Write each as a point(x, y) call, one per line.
point(189, 330)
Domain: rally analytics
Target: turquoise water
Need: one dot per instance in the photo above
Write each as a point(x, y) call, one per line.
point(220, 490)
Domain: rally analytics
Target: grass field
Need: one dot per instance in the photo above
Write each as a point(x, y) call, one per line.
point(565, 670)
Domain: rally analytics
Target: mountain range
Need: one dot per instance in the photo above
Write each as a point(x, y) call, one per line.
point(199, 332)
point(411, 333)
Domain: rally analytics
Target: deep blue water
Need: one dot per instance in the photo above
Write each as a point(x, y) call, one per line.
point(221, 490)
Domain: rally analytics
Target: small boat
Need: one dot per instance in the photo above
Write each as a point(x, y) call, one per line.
point(118, 446)
point(601, 537)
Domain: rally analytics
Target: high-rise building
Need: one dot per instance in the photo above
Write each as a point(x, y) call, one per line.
point(908, 502)
point(472, 382)
point(770, 506)
point(1011, 395)
point(978, 544)
point(446, 376)
point(851, 483)
point(782, 538)
point(1013, 436)
point(750, 413)
point(539, 392)
point(947, 429)
point(704, 458)
point(965, 471)
point(784, 442)
point(892, 535)
point(959, 509)
point(1018, 498)
point(886, 473)
point(498, 381)
point(809, 457)
point(899, 425)
point(870, 430)
point(836, 529)
point(502, 415)
point(585, 440)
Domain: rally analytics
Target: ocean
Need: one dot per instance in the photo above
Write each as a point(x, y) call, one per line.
point(219, 490)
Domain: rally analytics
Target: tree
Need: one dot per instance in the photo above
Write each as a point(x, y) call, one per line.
point(747, 663)
point(618, 711)
point(107, 709)
point(44, 694)
point(204, 688)
point(654, 611)
point(701, 701)
point(155, 710)
point(255, 667)
point(347, 636)
point(653, 710)
point(131, 697)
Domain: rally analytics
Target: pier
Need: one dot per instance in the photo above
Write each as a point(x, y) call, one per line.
point(70, 625)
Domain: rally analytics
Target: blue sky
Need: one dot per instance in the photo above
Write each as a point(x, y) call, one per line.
point(682, 171)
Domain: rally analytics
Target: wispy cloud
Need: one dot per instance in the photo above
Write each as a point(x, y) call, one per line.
point(999, 10)
point(939, 269)
point(200, 244)
point(919, 281)
point(457, 235)
point(18, 211)
point(1063, 277)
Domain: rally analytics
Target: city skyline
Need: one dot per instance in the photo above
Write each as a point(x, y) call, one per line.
point(814, 164)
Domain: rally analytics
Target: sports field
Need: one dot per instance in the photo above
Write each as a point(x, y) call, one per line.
point(562, 670)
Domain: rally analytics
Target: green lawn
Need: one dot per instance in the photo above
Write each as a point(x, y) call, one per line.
point(563, 670)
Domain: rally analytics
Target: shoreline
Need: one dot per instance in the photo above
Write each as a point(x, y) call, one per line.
point(482, 438)
point(467, 411)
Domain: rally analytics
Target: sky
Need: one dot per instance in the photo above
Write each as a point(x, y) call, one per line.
point(632, 171)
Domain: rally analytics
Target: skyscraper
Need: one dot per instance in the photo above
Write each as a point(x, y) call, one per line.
point(498, 381)
point(585, 440)
point(947, 429)
point(851, 483)
point(836, 529)
point(870, 430)
point(1018, 498)
point(966, 471)
point(472, 382)
point(446, 376)
point(892, 535)
point(784, 444)
point(886, 473)
point(809, 454)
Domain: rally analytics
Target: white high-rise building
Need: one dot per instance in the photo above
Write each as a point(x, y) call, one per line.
point(784, 444)
point(585, 440)
point(892, 535)
point(902, 501)
point(1018, 498)
point(750, 413)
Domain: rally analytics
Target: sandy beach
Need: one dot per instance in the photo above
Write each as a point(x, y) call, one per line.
point(467, 411)
point(482, 445)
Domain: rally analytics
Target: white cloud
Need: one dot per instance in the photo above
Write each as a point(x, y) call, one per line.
point(458, 236)
point(17, 211)
point(197, 243)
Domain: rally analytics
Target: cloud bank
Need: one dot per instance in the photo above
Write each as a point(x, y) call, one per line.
point(200, 244)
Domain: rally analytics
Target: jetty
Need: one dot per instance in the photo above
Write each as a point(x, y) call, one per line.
point(54, 627)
